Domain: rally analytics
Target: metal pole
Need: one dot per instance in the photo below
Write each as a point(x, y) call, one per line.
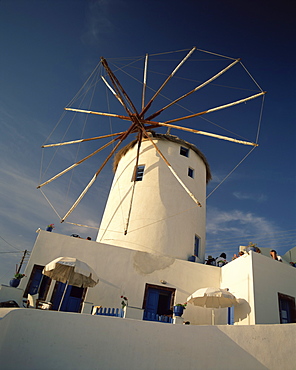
point(22, 261)
point(64, 292)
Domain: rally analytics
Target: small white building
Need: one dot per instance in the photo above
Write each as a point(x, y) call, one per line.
point(151, 249)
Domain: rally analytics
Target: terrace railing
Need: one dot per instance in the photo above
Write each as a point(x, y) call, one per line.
point(118, 312)
point(104, 311)
point(155, 317)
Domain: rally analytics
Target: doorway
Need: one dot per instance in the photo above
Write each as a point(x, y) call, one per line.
point(287, 309)
point(73, 298)
point(158, 303)
point(38, 283)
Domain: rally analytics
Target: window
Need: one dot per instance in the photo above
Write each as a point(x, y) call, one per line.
point(287, 309)
point(196, 245)
point(190, 172)
point(139, 173)
point(184, 151)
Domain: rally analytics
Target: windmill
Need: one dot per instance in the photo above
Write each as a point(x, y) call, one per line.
point(142, 121)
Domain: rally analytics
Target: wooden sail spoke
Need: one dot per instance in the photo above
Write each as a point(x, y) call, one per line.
point(144, 81)
point(141, 126)
point(124, 136)
point(126, 118)
point(171, 169)
point(134, 182)
point(81, 140)
point(79, 198)
point(207, 134)
point(118, 88)
point(76, 164)
point(218, 108)
point(166, 81)
point(113, 92)
point(195, 89)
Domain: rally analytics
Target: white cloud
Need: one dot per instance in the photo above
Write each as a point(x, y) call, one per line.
point(245, 196)
point(227, 230)
point(236, 220)
point(98, 21)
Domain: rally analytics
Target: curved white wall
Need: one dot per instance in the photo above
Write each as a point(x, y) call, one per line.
point(164, 219)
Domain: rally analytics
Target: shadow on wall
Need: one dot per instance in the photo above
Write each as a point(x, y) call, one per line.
point(241, 311)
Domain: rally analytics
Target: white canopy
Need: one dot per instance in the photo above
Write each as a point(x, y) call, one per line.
point(212, 298)
point(72, 271)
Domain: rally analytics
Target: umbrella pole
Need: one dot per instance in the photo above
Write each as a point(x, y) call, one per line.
point(64, 292)
point(213, 317)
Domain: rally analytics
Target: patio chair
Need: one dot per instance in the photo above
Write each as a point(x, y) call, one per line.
point(34, 302)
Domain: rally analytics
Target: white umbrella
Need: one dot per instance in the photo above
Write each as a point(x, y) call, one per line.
point(71, 271)
point(212, 298)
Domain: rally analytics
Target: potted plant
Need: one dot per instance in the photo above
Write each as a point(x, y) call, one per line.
point(15, 282)
point(251, 247)
point(124, 301)
point(50, 227)
point(179, 308)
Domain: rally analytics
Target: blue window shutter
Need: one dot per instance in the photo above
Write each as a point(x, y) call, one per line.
point(196, 245)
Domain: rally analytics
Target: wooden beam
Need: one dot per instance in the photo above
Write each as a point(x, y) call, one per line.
point(218, 108)
point(80, 140)
point(195, 89)
point(171, 169)
point(113, 92)
point(126, 118)
point(119, 89)
point(166, 81)
point(134, 182)
point(123, 137)
point(206, 134)
point(144, 81)
point(76, 164)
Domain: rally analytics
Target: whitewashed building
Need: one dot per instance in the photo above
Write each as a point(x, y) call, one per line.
point(152, 251)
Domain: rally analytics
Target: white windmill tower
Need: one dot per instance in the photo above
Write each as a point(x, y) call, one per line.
point(159, 217)
point(157, 200)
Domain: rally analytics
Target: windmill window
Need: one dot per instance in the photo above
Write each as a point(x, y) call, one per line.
point(139, 173)
point(190, 172)
point(196, 245)
point(184, 151)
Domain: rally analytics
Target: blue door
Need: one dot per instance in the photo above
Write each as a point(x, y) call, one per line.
point(158, 304)
point(151, 305)
point(35, 282)
point(38, 283)
point(72, 298)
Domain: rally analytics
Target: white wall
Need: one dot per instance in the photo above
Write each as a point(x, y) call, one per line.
point(35, 339)
point(237, 276)
point(270, 278)
point(125, 272)
point(258, 279)
point(255, 278)
point(8, 293)
point(290, 256)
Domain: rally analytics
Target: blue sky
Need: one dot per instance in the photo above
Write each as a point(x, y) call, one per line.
point(48, 50)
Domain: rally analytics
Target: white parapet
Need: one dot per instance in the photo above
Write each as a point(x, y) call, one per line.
point(133, 313)
point(8, 293)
